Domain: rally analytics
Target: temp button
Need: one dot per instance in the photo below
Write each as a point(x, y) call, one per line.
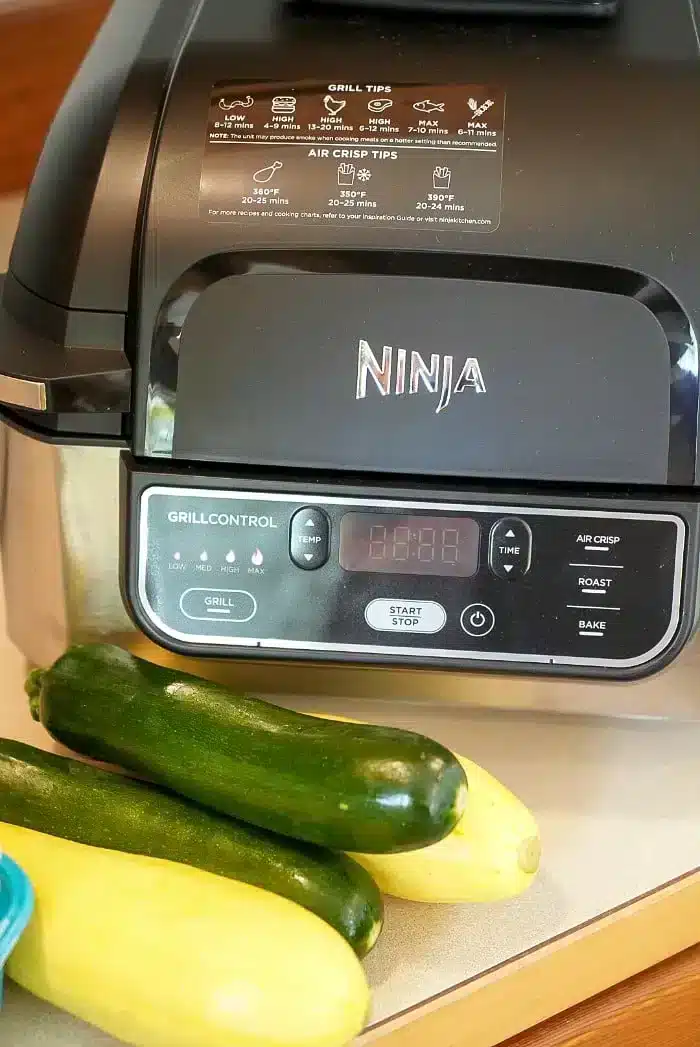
point(510, 548)
point(405, 616)
point(309, 538)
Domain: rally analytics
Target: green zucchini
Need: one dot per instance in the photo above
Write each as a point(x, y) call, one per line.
point(64, 797)
point(347, 786)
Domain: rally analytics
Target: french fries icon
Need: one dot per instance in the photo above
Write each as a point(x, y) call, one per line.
point(346, 174)
point(442, 176)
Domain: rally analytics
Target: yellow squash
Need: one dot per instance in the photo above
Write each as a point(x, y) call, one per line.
point(164, 955)
point(492, 854)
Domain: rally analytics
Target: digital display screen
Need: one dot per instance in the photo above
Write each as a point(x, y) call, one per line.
point(420, 545)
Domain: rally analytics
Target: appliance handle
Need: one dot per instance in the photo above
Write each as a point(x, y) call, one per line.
point(504, 8)
point(40, 375)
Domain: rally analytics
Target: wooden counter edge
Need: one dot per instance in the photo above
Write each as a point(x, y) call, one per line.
point(546, 981)
point(659, 1006)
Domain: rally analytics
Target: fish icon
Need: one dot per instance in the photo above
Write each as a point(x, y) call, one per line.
point(334, 105)
point(242, 103)
point(426, 106)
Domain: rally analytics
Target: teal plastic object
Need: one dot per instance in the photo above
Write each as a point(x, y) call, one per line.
point(16, 907)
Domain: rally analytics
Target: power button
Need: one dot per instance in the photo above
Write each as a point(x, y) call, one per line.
point(478, 619)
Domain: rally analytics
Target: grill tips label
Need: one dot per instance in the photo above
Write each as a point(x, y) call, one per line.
point(392, 155)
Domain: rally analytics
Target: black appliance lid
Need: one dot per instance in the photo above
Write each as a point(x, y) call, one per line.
point(588, 265)
point(423, 364)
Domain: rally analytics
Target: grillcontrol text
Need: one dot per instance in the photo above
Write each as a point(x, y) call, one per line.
point(222, 519)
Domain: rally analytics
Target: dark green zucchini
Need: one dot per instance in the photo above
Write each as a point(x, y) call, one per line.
point(63, 797)
point(347, 786)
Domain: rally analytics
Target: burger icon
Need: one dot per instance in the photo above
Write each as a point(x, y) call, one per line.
point(284, 104)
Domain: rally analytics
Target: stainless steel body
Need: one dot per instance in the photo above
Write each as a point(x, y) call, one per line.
point(60, 549)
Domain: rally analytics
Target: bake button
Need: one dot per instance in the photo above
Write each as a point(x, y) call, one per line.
point(592, 625)
point(478, 619)
point(405, 616)
point(223, 605)
point(510, 548)
point(309, 538)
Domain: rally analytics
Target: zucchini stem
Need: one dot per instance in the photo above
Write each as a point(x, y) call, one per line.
point(33, 687)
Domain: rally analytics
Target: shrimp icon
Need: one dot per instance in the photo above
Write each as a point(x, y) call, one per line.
point(237, 103)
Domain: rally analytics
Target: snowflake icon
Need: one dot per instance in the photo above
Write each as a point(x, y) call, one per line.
point(364, 175)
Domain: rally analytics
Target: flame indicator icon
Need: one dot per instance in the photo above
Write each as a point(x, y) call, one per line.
point(257, 558)
point(204, 556)
point(230, 557)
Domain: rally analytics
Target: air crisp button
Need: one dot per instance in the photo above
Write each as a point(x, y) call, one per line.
point(405, 616)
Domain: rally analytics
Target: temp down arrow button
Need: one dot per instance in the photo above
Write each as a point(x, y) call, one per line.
point(309, 538)
point(510, 548)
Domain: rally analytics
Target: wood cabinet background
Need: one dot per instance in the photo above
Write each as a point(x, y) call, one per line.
point(42, 42)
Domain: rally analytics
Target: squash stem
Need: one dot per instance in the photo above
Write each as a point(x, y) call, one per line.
point(33, 687)
point(529, 854)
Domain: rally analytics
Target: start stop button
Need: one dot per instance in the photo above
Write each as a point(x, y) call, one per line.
point(405, 616)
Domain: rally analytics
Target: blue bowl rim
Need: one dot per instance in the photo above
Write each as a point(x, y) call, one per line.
point(16, 886)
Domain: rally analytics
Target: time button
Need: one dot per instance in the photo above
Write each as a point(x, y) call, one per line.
point(510, 548)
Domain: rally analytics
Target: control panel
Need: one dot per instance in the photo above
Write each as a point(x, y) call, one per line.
point(405, 581)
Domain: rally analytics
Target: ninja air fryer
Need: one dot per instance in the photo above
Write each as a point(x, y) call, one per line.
point(388, 319)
